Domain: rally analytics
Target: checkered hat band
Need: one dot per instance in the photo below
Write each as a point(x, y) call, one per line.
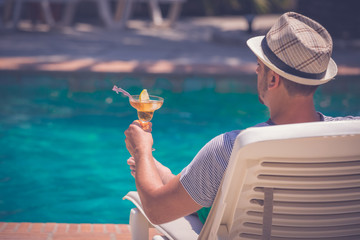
point(284, 67)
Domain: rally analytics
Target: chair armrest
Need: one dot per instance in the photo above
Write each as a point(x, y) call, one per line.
point(187, 227)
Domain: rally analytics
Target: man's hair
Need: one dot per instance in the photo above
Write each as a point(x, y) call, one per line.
point(294, 88)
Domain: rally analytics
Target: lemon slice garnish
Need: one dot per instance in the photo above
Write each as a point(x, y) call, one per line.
point(144, 96)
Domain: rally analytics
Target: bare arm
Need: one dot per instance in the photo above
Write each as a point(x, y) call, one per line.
point(165, 173)
point(162, 202)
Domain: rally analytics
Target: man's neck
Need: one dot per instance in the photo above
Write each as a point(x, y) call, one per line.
point(295, 111)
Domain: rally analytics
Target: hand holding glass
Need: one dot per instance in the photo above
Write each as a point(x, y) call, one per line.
point(145, 108)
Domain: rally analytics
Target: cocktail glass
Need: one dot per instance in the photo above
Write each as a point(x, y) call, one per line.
point(145, 109)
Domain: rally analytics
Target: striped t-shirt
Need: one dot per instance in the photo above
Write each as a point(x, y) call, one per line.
point(202, 177)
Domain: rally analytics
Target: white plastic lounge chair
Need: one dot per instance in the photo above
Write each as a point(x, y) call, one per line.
point(299, 181)
point(187, 227)
point(124, 11)
point(103, 7)
point(5, 6)
point(45, 6)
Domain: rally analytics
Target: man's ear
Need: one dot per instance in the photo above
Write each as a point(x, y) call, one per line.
point(273, 80)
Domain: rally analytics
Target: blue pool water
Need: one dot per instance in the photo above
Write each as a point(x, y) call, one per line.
point(62, 151)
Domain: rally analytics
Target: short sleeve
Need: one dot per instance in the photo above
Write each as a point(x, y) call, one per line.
point(329, 119)
point(202, 177)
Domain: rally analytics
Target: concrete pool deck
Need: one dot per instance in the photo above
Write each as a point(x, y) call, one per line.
point(194, 46)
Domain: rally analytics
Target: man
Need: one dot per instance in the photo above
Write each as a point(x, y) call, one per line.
point(294, 58)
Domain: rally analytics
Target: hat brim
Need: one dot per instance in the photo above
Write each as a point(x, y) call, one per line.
point(255, 46)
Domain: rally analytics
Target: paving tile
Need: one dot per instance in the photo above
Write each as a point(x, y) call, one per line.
point(123, 236)
point(37, 227)
point(82, 236)
point(124, 228)
point(65, 231)
point(98, 228)
point(86, 228)
point(117, 228)
point(111, 228)
point(10, 227)
point(24, 227)
point(3, 226)
point(74, 228)
point(62, 228)
point(23, 236)
point(49, 227)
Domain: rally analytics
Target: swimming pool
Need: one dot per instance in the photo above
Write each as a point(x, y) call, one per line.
point(62, 151)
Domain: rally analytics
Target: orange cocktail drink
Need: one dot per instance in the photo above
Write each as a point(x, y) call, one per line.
point(145, 108)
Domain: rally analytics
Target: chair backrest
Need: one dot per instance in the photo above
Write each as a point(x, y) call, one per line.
point(299, 181)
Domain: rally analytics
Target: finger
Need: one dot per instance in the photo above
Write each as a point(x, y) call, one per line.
point(126, 132)
point(137, 123)
point(131, 127)
point(132, 167)
point(128, 146)
point(131, 161)
point(131, 164)
point(133, 173)
point(147, 126)
point(144, 126)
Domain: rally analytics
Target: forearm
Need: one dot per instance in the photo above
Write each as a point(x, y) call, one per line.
point(163, 198)
point(156, 194)
point(162, 195)
point(165, 173)
point(167, 202)
point(147, 177)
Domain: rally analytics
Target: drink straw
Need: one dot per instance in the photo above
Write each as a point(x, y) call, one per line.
point(117, 90)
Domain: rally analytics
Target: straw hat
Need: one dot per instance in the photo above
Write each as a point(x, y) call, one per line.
point(298, 49)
